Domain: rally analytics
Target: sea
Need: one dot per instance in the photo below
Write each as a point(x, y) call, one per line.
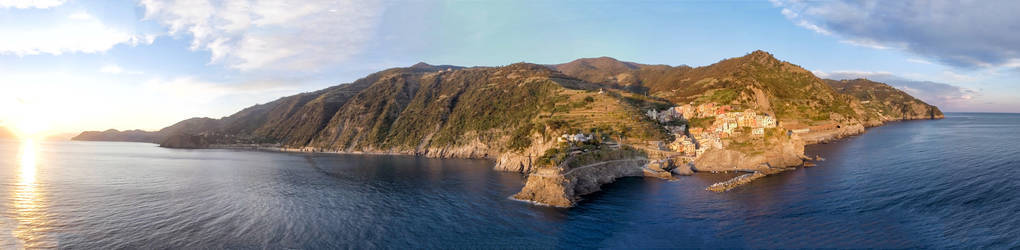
point(951, 183)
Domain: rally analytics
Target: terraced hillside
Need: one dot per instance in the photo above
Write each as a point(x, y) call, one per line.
point(756, 81)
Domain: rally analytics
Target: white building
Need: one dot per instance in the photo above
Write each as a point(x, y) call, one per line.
point(768, 122)
point(582, 138)
point(654, 115)
point(574, 138)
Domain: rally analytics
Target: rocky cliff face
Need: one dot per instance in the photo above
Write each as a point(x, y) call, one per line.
point(551, 186)
point(784, 153)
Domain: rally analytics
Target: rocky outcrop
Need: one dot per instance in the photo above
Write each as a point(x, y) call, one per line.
point(744, 179)
point(683, 170)
point(554, 187)
point(786, 152)
point(825, 136)
point(548, 187)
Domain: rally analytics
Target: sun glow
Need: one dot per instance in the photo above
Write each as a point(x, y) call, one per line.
point(28, 120)
point(29, 128)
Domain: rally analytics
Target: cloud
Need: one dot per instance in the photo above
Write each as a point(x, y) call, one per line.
point(956, 77)
point(81, 15)
point(939, 94)
point(196, 90)
point(101, 101)
point(111, 69)
point(278, 34)
point(114, 69)
point(964, 34)
point(29, 4)
point(867, 43)
point(79, 32)
point(920, 61)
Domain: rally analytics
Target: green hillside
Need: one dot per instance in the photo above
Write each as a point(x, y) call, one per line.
point(883, 102)
point(518, 112)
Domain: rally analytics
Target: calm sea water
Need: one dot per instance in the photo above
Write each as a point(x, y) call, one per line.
point(950, 183)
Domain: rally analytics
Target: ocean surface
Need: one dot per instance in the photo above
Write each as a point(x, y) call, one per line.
point(952, 183)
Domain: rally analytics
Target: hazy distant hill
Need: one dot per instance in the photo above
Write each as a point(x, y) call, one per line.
point(115, 135)
point(514, 113)
point(601, 70)
point(885, 103)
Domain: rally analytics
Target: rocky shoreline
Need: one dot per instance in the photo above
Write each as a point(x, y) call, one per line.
point(553, 187)
point(819, 137)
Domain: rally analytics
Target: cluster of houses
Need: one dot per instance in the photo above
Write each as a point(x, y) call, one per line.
point(688, 111)
point(726, 123)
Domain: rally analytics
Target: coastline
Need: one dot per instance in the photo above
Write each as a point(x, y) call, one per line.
point(823, 137)
point(565, 189)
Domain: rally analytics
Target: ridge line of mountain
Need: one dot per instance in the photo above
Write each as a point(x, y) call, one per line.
point(741, 114)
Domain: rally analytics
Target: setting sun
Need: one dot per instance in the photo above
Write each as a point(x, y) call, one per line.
point(30, 128)
point(29, 121)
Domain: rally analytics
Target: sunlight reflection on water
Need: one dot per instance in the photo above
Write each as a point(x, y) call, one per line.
point(28, 201)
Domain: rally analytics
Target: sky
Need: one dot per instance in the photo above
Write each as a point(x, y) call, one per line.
point(73, 65)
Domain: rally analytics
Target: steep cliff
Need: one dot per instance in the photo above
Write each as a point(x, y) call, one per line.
point(781, 151)
point(553, 187)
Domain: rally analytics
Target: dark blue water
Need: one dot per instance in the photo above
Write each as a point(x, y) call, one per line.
point(942, 184)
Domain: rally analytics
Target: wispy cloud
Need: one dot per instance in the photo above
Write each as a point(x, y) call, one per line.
point(31, 4)
point(943, 95)
point(866, 43)
point(79, 32)
point(920, 61)
point(115, 69)
point(197, 90)
point(271, 34)
point(111, 69)
point(965, 34)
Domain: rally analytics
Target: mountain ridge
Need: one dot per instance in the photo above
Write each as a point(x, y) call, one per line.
point(520, 116)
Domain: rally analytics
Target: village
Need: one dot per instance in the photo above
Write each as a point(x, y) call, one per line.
point(692, 142)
